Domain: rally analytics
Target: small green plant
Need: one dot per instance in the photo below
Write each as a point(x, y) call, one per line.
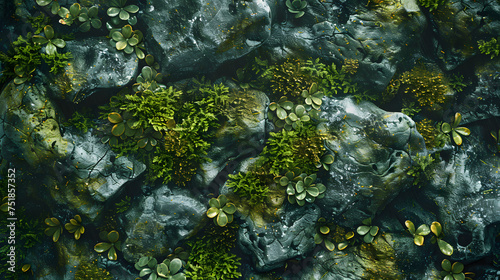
point(249, 186)
point(128, 40)
point(57, 61)
point(52, 44)
point(149, 79)
point(68, 16)
point(74, 226)
point(457, 83)
point(222, 210)
point(437, 230)
point(111, 245)
point(496, 136)
point(53, 4)
point(123, 205)
point(168, 269)
point(281, 107)
point(90, 271)
point(410, 108)
point(55, 228)
point(120, 9)
point(329, 237)
point(367, 231)
point(454, 271)
point(455, 130)
point(179, 253)
point(432, 134)
point(302, 189)
point(89, 17)
point(432, 4)
point(122, 127)
point(313, 97)
point(419, 233)
point(21, 61)
point(80, 122)
point(296, 7)
point(491, 47)
point(325, 161)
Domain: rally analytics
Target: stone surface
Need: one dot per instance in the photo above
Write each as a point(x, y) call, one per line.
point(273, 244)
point(371, 149)
point(96, 66)
point(159, 220)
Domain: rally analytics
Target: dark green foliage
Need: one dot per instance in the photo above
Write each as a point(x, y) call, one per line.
point(287, 150)
point(331, 81)
point(491, 47)
point(21, 61)
point(57, 61)
point(123, 205)
point(248, 185)
point(210, 256)
point(81, 122)
point(457, 83)
point(38, 23)
point(421, 170)
point(432, 4)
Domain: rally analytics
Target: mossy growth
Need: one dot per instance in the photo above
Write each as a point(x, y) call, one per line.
point(432, 4)
point(211, 256)
point(249, 186)
point(81, 121)
point(90, 271)
point(289, 78)
point(491, 47)
point(422, 169)
point(426, 87)
point(433, 136)
point(21, 60)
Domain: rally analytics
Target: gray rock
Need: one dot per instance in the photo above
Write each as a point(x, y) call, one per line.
point(158, 221)
point(273, 244)
point(97, 65)
point(196, 37)
point(371, 148)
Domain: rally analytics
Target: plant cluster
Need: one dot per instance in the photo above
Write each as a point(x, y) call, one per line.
point(249, 186)
point(289, 78)
point(332, 234)
point(491, 47)
point(111, 244)
point(296, 7)
point(222, 210)
point(330, 80)
point(55, 228)
point(211, 256)
point(367, 230)
point(423, 230)
point(455, 130)
point(168, 269)
point(21, 61)
point(302, 188)
point(123, 205)
point(128, 40)
point(454, 271)
point(120, 13)
point(457, 83)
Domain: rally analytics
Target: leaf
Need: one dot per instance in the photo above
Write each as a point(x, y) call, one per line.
point(50, 49)
point(112, 254)
point(363, 230)
point(113, 236)
point(458, 119)
point(457, 268)
point(175, 265)
point(281, 113)
point(463, 130)
point(327, 159)
point(145, 272)
point(418, 240)
point(48, 31)
point(102, 247)
point(423, 230)
point(222, 199)
point(456, 138)
point(84, 27)
point(124, 15)
point(147, 73)
point(368, 238)
point(39, 39)
point(74, 10)
point(139, 53)
point(54, 8)
point(308, 181)
point(212, 212)
point(127, 31)
point(60, 43)
point(436, 228)
point(229, 208)
point(214, 202)
point(317, 238)
point(287, 105)
point(446, 265)
point(329, 245)
point(222, 219)
point(43, 2)
point(162, 270)
point(118, 129)
point(445, 247)
point(313, 191)
point(299, 186)
point(373, 230)
point(133, 41)
point(131, 9)
point(26, 267)
point(150, 60)
point(342, 245)
point(96, 23)
point(324, 229)
point(446, 128)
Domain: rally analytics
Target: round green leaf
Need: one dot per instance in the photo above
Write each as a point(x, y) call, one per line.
point(448, 277)
point(316, 100)
point(118, 129)
point(308, 100)
point(162, 270)
point(59, 43)
point(214, 202)
point(456, 138)
point(147, 73)
point(175, 265)
point(411, 227)
point(96, 23)
point(133, 41)
point(301, 196)
point(308, 181)
point(313, 191)
point(445, 247)
point(459, 276)
point(83, 17)
point(463, 130)
point(446, 127)
point(112, 254)
point(39, 39)
point(324, 229)
point(115, 118)
point(373, 230)
point(329, 245)
point(342, 245)
point(423, 230)
point(113, 236)
point(457, 267)
point(142, 142)
point(43, 2)
point(300, 110)
point(212, 212)
point(93, 11)
point(362, 230)
point(139, 53)
point(273, 106)
point(145, 272)
point(131, 9)
point(458, 118)
point(436, 228)
point(299, 186)
point(124, 15)
point(290, 190)
point(281, 113)
point(418, 240)
point(327, 159)
point(127, 31)
point(446, 265)
point(113, 11)
point(287, 105)
point(284, 181)
point(292, 117)
point(102, 247)
point(74, 10)
point(128, 49)
point(229, 208)
point(113, 141)
point(121, 45)
point(54, 8)
point(368, 238)
point(222, 219)
point(84, 27)
point(48, 31)
point(317, 238)
point(50, 49)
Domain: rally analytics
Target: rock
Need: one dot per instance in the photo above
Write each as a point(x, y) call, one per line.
point(96, 66)
point(196, 37)
point(290, 237)
point(29, 125)
point(241, 136)
point(160, 220)
point(371, 148)
point(95, 177)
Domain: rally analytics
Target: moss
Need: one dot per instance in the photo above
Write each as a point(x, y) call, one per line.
point(289, 78)
point(433, 137)
point(90, 271)
point(249, 186)
point(426, 87)
point(379, 259)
